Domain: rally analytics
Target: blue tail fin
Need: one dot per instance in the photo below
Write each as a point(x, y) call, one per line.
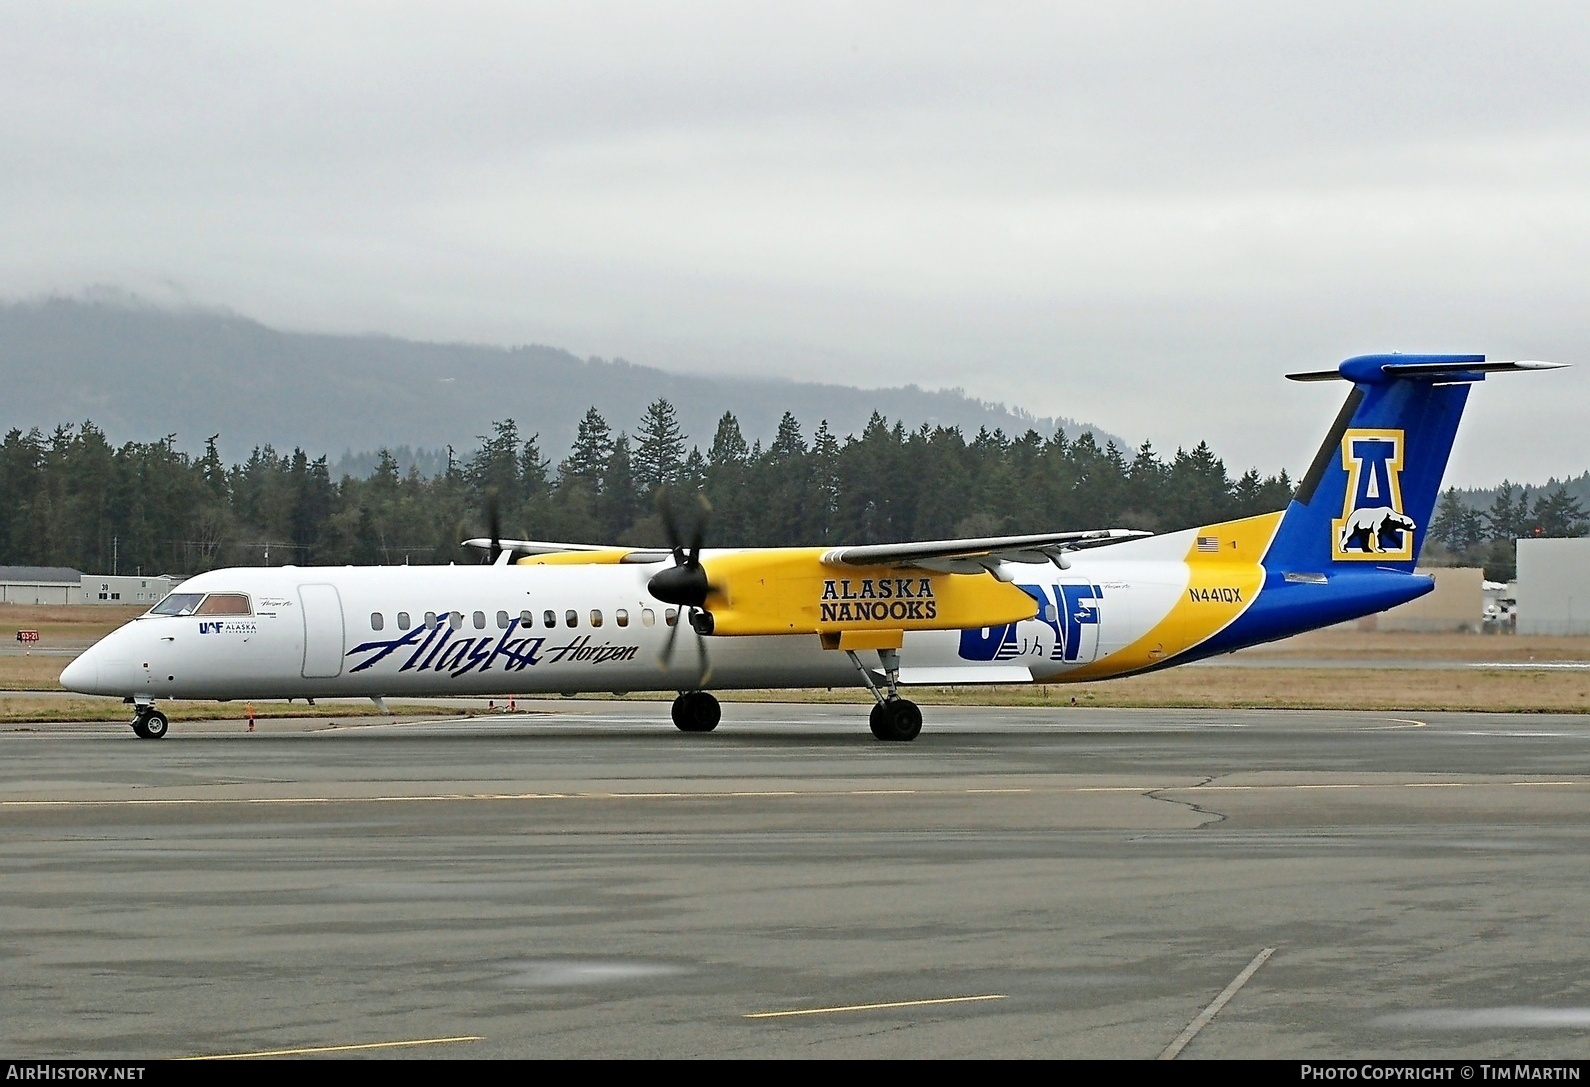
point(1367, 499)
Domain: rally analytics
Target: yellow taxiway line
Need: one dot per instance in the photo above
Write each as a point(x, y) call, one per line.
point(875, 1007)
point(305, 1051)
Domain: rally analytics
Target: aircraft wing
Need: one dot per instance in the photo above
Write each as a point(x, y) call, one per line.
point(597, 552)
point(976, 555)
point(532, 547)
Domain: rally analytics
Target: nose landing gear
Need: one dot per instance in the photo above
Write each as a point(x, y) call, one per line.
point(696, 711)
point(150, 724)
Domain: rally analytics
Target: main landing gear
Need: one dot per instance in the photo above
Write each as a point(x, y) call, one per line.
point(893, 718)
point(696, 711)
point(896, 718)
point(149, 723)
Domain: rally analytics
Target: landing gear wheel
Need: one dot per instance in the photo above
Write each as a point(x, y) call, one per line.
point(876, 720)
point(696, 711)
point(151, 725)
point(897, 719)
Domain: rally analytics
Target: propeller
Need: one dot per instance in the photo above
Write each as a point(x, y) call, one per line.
point(685, 583)
point(494, 525)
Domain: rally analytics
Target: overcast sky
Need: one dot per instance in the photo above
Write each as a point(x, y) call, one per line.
point(1139, 215)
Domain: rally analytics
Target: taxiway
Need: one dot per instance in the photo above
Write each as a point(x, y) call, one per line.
point(583, 880)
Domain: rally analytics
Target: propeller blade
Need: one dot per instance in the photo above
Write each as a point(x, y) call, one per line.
point(666, 657)
point(704, 508)
point(701, 649)
point(494, 524)
point(665, 506)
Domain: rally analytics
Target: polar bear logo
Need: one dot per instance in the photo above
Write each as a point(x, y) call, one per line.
point(1375, 530)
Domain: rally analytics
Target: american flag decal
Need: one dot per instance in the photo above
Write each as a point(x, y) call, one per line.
point(1209, 544)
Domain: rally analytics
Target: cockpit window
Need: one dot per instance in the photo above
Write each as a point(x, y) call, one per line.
point(178, 604)
point(225, 604)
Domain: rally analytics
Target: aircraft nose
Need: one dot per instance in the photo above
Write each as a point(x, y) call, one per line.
point(82, 675)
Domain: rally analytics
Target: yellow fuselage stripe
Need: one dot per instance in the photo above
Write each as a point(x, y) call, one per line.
point(1221, 585)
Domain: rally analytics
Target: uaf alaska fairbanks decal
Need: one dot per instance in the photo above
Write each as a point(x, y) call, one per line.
point(227, 626)
point(1372, 527)
point(1065, 628)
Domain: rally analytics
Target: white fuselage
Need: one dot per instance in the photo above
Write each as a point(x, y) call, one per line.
point(522, 629)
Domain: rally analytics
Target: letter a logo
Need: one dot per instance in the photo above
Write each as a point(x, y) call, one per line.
point(1372, 526)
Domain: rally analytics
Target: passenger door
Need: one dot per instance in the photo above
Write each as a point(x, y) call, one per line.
point(323, 631)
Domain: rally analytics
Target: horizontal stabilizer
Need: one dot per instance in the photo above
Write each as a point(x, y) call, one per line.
point(1373, 369)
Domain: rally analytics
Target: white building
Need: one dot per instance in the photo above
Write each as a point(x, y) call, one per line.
point(1456, 604)
point(123, 589)
point(63, 585)
point(1554, 586)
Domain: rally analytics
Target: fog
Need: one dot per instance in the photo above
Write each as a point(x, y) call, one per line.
point(1137, 215)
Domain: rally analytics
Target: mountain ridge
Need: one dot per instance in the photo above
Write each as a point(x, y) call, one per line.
point(140, 372)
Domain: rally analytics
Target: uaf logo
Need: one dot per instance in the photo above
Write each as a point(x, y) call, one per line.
point(1372, 526)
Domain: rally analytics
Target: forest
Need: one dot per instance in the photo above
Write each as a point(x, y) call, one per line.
point(72, 498)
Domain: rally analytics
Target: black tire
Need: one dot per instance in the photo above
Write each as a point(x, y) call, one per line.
point(708, 712)
point(138, 727)
point(155, 726)
point(876, 719)
point(696, 711)
point(898, 719)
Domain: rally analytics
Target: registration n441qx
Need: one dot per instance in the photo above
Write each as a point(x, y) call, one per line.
point(1055, 607)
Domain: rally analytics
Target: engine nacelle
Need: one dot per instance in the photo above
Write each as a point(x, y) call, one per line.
point(790, 591)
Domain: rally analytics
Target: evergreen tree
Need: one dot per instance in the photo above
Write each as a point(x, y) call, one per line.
point(495, 467)
point(618, 502)
point(1456, 524)
point(728, 444)
point(728, 462)
point(659, 448)
point(1505, 520)
point(593, 448)
point(1557, 515)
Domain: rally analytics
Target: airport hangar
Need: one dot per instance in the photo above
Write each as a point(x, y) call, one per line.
point(63, 585)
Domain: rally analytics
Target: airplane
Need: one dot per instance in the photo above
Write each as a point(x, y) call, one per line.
point(541, 617)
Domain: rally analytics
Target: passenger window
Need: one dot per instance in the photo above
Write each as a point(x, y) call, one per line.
point(455, 619)
point(647, 617)
point(549, 618)
point(621, 617)
point(502, 620)
point(671, 616)
point(224, 604)
point(571, 617)
point(480, 620)
point(596, 618)
point(527, 618)
point(403, 620)
point(376, 622)
point(431, 622)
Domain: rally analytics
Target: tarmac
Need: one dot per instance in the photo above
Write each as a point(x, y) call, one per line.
point(582, 880)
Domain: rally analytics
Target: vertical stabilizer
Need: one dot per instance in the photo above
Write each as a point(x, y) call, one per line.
point(1366, 501)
